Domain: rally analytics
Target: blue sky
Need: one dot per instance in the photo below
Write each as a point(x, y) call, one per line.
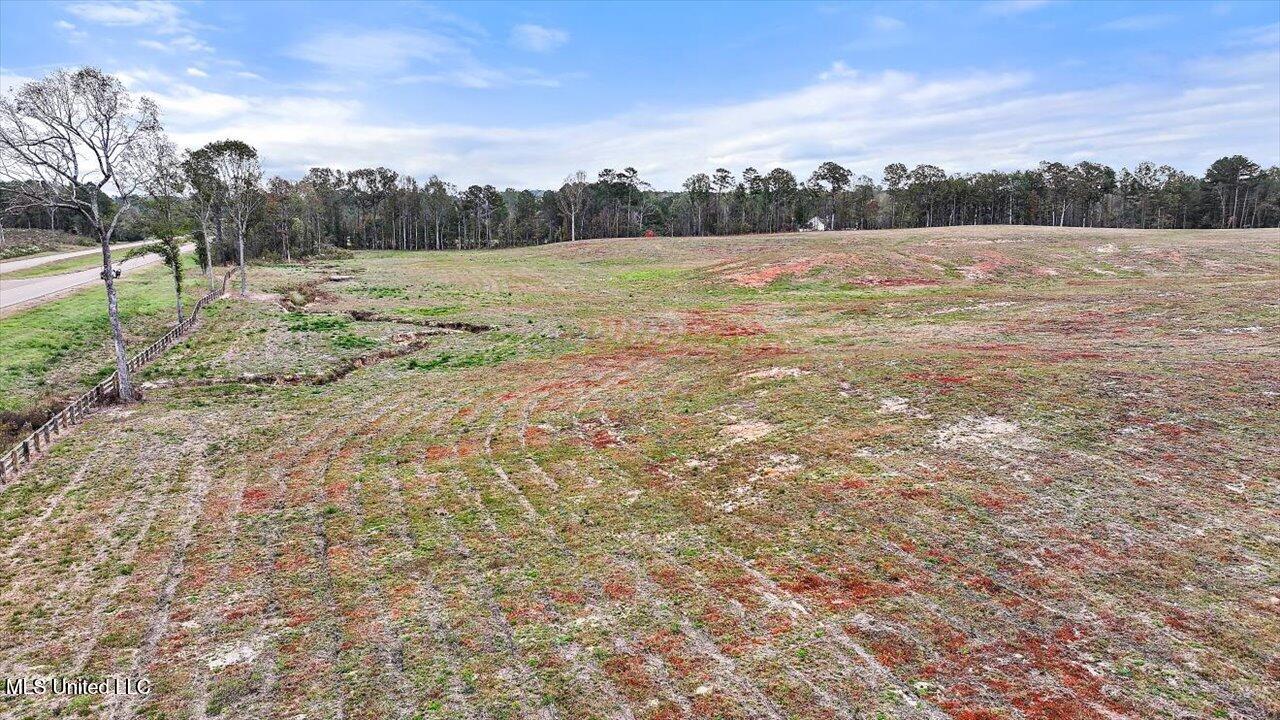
point(522, 94)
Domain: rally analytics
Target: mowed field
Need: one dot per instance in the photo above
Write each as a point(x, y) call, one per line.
point(976, 473)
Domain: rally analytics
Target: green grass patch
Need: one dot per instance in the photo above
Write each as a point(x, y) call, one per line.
point(429, 311)
point(304, 322)
point(61, 267)
point(353, 342)
point(63, 346)
point(379, 291)
point(650, 276)
point(460, 360)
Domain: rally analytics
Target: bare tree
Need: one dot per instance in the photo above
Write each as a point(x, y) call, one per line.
point(78, 140)
point(571, 197)
point(235, 164)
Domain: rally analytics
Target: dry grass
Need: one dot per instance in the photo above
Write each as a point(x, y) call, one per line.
point(23, 242)
point(978, 473)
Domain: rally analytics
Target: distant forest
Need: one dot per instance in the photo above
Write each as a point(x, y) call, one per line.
point(382, 209)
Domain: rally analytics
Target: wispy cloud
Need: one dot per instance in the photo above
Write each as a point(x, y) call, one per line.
point(1012, 7)
point(375, 51)
point(70, 31)
point(963, 122)
point(163, 17)
point(837, 71)
point(197, 72)
point(1263, 35)
point(173, 30)
point(884, 23)
point(479, 77)
point(179, 43)
point(412, 56)
point(1138, 22)
point(538, 38)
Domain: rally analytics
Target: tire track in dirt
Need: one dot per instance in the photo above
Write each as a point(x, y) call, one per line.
point(158, 623)
point(259, 609)
point(558, 546)
point(504, 633)
point(427, 606)
point(827, 698)
point(705, 645)
point(20, 543)
point(213, 547)
point(334, 647)
point(529, 685)
point(585, 668)
point(96, 616)
point(428, 611)
point(370, 643)
point(745, 692)
point(873, 668)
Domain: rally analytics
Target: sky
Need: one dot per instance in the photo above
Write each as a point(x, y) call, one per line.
point(522, 94)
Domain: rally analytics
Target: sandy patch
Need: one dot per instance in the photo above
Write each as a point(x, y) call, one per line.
point(984, 431)
point(774, 373)
point(746, 431)
point(894, 405)
point(243, 652)
point(775, 467)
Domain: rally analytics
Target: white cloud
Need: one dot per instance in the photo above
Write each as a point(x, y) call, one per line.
point(409, 57)
point(189, 43)
point(965, 122)
point(197, 72)
point(12, 81)
point(1138, 22)
point(538, 38)
point(138, 79)
point(1262, 35)
point(185, 105)
point(1012, 7)
point(165, 17)
point(72, 33)
point(479, 77)
point(884, 23)
point(375, 51)
point(837, 70)
point(183, 43)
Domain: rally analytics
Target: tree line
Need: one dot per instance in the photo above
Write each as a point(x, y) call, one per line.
point(79, 152)
point(378, 208)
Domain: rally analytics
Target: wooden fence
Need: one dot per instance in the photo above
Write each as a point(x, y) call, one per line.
point(24, 452)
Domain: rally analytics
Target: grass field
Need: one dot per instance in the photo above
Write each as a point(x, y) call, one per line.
point(62, 348)
point(59, 267)
point(976, 473)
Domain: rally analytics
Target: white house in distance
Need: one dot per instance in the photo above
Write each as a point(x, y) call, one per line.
point(815, 224)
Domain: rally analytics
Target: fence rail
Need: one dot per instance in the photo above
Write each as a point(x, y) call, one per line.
point(26, 451)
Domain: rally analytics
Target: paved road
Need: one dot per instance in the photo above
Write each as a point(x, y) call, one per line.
point(42, 289)
point(23, 263)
